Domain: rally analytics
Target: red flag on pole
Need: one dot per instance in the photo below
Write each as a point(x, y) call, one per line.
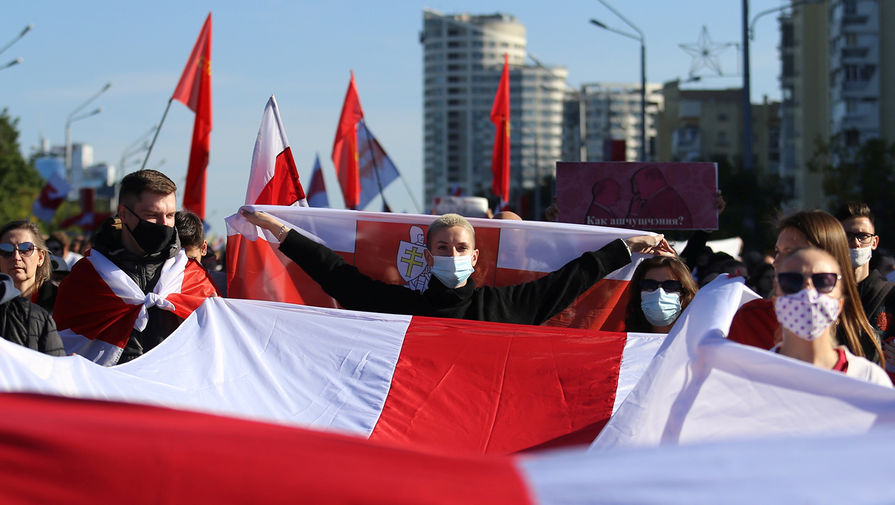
point(345, 155)
point(500, 116)
point(194, 91)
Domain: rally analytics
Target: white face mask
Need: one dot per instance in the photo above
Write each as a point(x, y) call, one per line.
point(807, 313)
point(860, 256)
point(660, 308)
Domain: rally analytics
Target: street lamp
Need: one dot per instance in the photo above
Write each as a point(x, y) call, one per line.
point(12, 63)
point(72, 117)
point(642, 39)
point(18, 37)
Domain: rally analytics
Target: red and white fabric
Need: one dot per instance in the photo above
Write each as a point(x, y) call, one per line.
point(51, 197)
point(702, 387)
point(389, 247)
point(98, 304)
point(62, 450)
point(445, 384)
point(273, 179)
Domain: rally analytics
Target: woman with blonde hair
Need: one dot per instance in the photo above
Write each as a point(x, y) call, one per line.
point(25, 258)
point(756, 322)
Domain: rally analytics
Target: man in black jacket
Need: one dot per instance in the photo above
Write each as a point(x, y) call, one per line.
point(452, 255)
point(25, 323)
point(877, 295)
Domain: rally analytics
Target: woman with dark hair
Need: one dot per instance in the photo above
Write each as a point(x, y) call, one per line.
point(25, 258)
point(809, 302)
point(756, 323)
point(662, 288)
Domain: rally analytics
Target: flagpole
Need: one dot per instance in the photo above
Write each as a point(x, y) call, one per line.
point(407, 187)
point(149, 151)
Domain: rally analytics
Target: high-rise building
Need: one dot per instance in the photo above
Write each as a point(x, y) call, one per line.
point(463, 57)
point(613, 114)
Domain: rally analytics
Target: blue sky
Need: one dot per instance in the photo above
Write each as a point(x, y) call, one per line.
point(302, 51)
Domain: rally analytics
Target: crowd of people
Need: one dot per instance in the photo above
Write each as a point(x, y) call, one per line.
point(821, 302)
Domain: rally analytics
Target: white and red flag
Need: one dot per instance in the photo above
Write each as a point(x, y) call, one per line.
point(51, 197)
point(389, 247)
point(273, 179)
point(444, 384)
point(98, 305)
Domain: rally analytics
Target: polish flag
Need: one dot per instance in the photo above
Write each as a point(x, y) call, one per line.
point(274, 176)
point(98, 305)
point(397, 379)
point(51, 197)
point(317, 193)
point(389, 247)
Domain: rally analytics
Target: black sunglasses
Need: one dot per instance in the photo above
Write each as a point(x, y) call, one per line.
point(670, 286)
point(25, 249)
point(792, 282)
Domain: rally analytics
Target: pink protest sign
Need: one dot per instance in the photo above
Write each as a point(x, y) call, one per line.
point(646, 196)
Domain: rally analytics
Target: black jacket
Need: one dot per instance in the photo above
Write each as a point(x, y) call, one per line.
point(25, 323)
point(878, 299)
point(529, 303)
point(145, 271)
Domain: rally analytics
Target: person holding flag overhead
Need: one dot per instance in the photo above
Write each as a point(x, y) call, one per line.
point(452, 255)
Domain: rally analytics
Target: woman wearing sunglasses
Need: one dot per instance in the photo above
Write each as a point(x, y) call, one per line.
point(662, 287)
point(24, 257)
point(756, 323)
point(809, 306)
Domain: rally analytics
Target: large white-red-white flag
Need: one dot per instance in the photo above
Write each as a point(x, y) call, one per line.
point(429, 382)
point(51, 197)
point(389, 247)
point(273, 179)
point(63, 450)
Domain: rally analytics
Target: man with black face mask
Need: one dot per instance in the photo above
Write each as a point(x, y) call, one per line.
point(138, 285)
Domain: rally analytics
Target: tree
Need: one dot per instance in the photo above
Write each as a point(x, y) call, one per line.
point(858, 173)
point(19, 182)
point(753, 206)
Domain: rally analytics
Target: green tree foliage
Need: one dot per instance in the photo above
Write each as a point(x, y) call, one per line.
point(753, 206)
point(863, 173)
point(19, 182)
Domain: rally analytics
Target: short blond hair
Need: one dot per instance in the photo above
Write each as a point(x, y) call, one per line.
point(447, 221)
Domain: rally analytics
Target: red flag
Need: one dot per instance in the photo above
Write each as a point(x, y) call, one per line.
point(500, 116)
point(194, 90)
point(345, 156)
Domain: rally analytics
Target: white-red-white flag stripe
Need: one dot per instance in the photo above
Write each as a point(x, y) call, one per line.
point(389, 247)
point(398, 379)
point(51, 197)
point(273, 179)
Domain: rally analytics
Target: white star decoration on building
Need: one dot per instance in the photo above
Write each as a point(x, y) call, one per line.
point(705, 53)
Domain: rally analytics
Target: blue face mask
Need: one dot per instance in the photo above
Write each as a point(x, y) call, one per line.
point(452, 270)
point(659, 307)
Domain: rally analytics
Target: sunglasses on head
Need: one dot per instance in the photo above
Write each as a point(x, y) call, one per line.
point(792, 282)
point(670, 286)
point(25, 249)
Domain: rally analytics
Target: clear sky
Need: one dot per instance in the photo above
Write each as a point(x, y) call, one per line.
point(302, 51)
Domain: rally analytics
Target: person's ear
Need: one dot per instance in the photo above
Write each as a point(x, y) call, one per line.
point(475, 257)
point(429, 259)
point(874, 243)
point(204, 248)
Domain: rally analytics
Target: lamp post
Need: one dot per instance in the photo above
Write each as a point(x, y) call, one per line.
point(12, 63)
point(642, 39)
point(72, 117)
point(16, 39)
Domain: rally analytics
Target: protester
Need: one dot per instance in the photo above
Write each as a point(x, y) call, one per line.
point(877, 295)
point(24, 257)
point(762, 280)
point(192, 234)
point(26, 323)
point(662, 287)
point(137, 254)
point(58, 269)
point(755, 323)
point(59, 245)
point(452, 255)
point(809, 305)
